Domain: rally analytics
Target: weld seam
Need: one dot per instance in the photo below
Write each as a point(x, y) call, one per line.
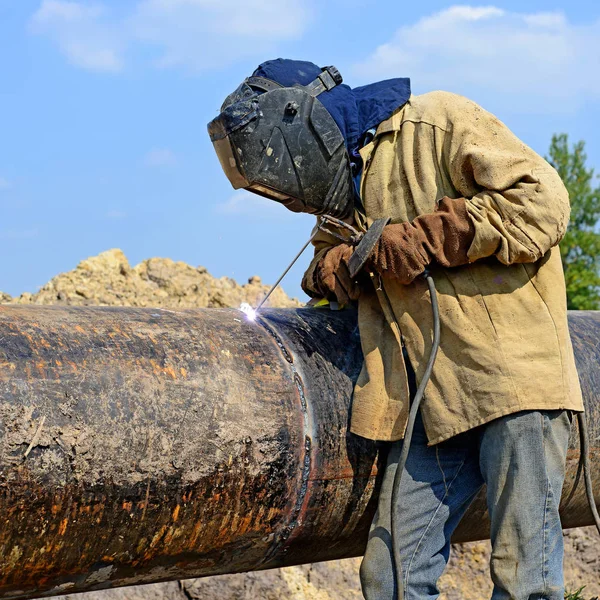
point(306, 466)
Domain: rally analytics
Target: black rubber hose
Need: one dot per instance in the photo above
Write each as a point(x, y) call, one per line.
point(584, 449)
point(414, 409)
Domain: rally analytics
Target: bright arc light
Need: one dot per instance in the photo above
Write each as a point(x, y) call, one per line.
point(248, 311)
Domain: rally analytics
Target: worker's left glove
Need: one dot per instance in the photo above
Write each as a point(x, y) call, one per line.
point(406, 249)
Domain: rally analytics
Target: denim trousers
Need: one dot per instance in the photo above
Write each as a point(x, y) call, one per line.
point(521, 459)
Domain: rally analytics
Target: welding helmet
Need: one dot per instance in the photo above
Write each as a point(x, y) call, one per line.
point(282, 143)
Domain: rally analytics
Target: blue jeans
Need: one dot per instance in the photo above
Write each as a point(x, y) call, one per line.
point(521, 458)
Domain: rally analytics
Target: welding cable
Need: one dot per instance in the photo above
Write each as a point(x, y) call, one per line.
point(414, 409)
point(584, 449)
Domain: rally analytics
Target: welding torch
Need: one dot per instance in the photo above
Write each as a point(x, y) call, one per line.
point(364, 244)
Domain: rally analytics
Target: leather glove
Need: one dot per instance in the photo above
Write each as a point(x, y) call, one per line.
point(332, 276)
point(406, 249)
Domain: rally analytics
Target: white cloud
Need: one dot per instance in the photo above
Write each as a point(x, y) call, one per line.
point(541, 61)
point(160, 157)
point(82, 32)
point(546, 20)
point(191, 34)
point(200, 34)
point(247, 204)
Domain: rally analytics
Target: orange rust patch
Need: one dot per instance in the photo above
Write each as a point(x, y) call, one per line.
point(63, 527)
point(176, 512)
point(157, 537)
point(183, 372)
point(245, 524)
point(168, 538)
point(159, 370)
point(195, 534)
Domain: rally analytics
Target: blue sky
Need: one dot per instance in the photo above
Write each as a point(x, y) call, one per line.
point(104, 105)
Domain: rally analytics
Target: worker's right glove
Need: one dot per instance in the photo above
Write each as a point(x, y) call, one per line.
point(406, 249)
point(332, 276)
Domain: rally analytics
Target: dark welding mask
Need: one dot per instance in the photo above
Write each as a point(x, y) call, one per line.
point(282, 143)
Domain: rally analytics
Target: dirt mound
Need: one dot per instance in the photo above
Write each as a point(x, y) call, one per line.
point(108, 279)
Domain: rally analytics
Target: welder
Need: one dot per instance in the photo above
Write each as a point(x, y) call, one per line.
point(466, 205)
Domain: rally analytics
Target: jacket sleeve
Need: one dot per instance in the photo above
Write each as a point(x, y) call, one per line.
point(516, 200)
point(322, 243)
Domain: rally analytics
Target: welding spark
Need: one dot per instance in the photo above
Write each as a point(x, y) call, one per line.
point(248, 311)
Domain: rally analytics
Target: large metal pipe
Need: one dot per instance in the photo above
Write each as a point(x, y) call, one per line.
point(140, 445)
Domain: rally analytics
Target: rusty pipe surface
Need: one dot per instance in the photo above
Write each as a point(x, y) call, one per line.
point(141, 445)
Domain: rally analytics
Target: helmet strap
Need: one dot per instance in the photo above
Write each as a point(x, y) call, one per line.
point(325, 81)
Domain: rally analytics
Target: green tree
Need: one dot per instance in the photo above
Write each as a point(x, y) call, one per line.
point(580, 248)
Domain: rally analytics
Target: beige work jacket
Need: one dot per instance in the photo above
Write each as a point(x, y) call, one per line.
point(505, 344)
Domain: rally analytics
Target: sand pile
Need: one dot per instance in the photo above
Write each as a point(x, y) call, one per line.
point(109, 280)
